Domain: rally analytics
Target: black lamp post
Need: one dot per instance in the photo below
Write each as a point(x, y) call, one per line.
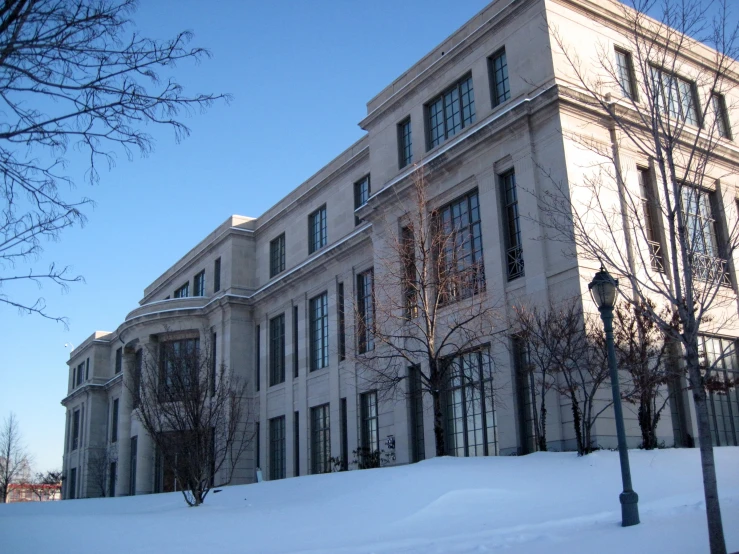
point(604, 289)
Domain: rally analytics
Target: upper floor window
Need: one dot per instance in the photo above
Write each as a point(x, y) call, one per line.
point(118, 360)
point(317, 236)
point(318, 314)
point(461, 268)
point(365, 312)
point(405, 152)
point(450, 112)
point(720, 115)
point(277, 350)
point(183, 291)
point(75, 430)
point(674, 96)
point(199, 284)
point(700, 226)
point(625, 73)
point(499, 78)
point(408, 261)
point(646, 192)
point(277, 255)
point(512, 230)
point(179, 365)
point(114, 422)
point(80, 374)
point(217, 275)
point(361, 194)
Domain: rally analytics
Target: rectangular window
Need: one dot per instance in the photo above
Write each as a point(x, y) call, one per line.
point(137, 369)
point(111, 479)
point(132, 466)
point(277, 255)
point(720, 115)
point(277, 448)
point(199, 284)
point(450, 112)
point(646, 191)
point(317, 235)
point(722, 385)
point(296, 443)
point(410, 282)
point(183, 291)
point(342, 323)
point(528, 427)
point(76, 430)
point(217, 275)
point(118, 360)
point(460, 242)
point(365, 312)
point(370, 435)
point(277, 350)
point(87, 369)
point(405, 145)
point(512, 229)
point(470, 408)
point(296, 361)
point(72, 484)
point(318, 307)
point(700, 225)
point(114, 424)
point(258, 446)
point(418, 444)
point(213, 363)
point(499, 78)
point(80, 374)
point(625, 73)
point(361, 195)
point(344, 435)
point(320, 439)
point(179, 366)
point(674, 97)
point(258, 355)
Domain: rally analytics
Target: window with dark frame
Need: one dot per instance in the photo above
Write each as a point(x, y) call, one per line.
point(365, 312)
point(370, 433)
point(112, 478)
point(341, 323)
point(72, 494)
point(720, 115)
point(296, 359)
point(318, 314)
point(183, 291)
point(320, 430)
point(700, 225)
point(277, 255)
point(646, 192)
point(361, 195)
point(114, 423)
point(87, 369)
point(317, 234)
point(405, 144)
point(512, 226)
point(296, 444)
point(451, 111)
point(674, 97)
point(277, 467)
point(199, 284)
point(138, 367)
point(526, 400)
point(344, 446)
point(720, 355)
point(213, 363)
point(75, 430)
point(258, 446)
point(415, 405)
point(258, 356)
point(625, 73)
point(410, 282)
point(277, 350)
point(500, 86)
point(119, 360)
point(179, 365)
point(217, 275)
point(460, 241)
point(132, 466)
point(80, 374)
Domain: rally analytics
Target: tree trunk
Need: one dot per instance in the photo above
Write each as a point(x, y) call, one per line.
point(576, 420)
point(438, 425)
point(543, 427)
point(710, 484)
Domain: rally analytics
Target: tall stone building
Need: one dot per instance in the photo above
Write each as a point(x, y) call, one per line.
point(492, 112)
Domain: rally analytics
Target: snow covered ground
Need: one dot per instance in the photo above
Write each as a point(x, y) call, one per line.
point(548, 502)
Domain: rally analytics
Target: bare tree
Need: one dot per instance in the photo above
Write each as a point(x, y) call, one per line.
point(642, 351)
point(14, 458)
point(665, 104)
point(46, 485)
point(98, 469)
point(73, 73)
point(195, 411)
point(566, 353)
point(428, 310)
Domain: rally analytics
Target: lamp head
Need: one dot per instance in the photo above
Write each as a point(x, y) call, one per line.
point(604, 288)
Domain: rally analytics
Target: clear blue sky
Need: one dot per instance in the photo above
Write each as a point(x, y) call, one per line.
point(301, 74)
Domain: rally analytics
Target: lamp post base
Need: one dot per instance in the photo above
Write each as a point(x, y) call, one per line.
point(629, 508)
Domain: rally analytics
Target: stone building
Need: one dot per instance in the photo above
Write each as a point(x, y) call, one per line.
point(492, 110)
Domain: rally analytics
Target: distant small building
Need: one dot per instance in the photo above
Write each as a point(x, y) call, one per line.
point(33, 492)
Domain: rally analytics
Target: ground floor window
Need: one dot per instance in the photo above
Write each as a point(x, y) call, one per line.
point(320, 439)
point(72, 484)
point(132, 479)
point(723, 389)
point(471, 425)
point(277, 448)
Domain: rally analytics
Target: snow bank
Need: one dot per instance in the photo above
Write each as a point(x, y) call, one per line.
point(547, 502)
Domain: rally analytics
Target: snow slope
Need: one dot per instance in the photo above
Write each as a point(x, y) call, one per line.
point(547, 502)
